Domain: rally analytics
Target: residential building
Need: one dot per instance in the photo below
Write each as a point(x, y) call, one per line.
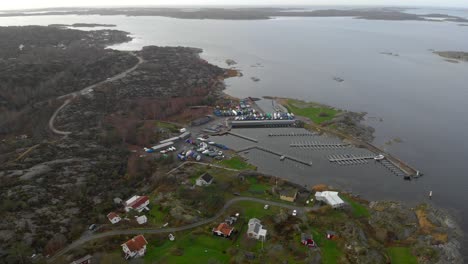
point(289, 195)
point(330, 198)
point(113, 218)
point(137, 203)
point(306, 239)
point(255, 230)
point(135, 247)
point(223, 229)
point(204, 180)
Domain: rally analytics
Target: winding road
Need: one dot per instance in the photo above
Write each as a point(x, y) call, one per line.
point(228, 204)
point(87, 90)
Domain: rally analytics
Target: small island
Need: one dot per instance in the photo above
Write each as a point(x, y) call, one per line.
point(453, 56)
point(82, 25)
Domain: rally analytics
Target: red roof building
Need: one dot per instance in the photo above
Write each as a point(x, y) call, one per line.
point(113, 217)
point(135, 247)
point(223, 230)
point(138, 203)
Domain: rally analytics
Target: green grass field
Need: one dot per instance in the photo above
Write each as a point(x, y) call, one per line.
point(315, 112)
point(237, 163)
point(189, 247)
point(401, 255)
point(359, 210)
point(256, 187)
point(329, 248)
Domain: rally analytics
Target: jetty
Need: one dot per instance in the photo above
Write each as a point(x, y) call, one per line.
point(282, 156)
point(242, 136)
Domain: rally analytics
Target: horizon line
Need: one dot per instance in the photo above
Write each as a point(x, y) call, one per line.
point(230, 6)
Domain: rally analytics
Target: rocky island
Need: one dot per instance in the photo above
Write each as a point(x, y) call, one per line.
point(453, 56)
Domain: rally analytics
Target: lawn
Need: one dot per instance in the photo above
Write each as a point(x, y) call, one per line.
point(237, 163)
point(401, 255)
point(359, 210)
point(316, 112)
point(329, 248)
point(189, 247)
point(156, 215)
point(256, 187)
point(255, 210)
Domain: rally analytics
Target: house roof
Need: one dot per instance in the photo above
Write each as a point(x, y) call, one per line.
point(288, 192)
point(206, 177)
point(224, 229)
point(253, 221)
point(112, 215)
point(331, 198)
point(137, 202)
point(305, 237)
point(257, 228)
point(137, 243)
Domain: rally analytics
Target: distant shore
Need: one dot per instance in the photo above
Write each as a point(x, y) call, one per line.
point(384, 13)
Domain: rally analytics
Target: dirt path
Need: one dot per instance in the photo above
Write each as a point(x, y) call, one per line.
point(88, 238)
point(87, 90)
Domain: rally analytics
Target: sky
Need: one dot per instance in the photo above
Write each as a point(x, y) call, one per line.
point(28, 4)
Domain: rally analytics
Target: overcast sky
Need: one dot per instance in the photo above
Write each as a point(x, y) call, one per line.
point(26, 4)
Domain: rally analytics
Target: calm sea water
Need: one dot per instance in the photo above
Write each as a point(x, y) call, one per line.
point(415, 96)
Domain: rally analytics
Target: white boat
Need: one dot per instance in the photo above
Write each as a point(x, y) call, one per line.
point(379, 157)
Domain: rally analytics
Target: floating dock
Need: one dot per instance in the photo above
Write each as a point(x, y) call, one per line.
point(242, 136)
point(349, 159)
point(282, 156)
point(319, 145)
point(292, 134)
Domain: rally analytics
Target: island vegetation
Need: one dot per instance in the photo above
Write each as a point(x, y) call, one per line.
point(393, 14)
point(453, 56)
point(82, 25)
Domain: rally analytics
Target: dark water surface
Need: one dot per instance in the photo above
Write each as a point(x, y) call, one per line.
point(415, 96)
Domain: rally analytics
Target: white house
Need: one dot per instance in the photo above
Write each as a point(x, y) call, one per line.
point(135, 247)
point(330, 198)
point(113, 218)
point(255, 230)
point(204, 180)
point(142, 219)
point(137, 203)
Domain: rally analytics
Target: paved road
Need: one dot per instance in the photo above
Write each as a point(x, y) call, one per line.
point(228, 204)
point(87, 90)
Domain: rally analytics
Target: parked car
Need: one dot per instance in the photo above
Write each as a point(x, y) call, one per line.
point(92, 227)
point(294, 212)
